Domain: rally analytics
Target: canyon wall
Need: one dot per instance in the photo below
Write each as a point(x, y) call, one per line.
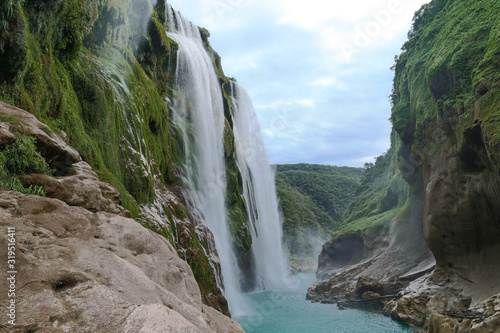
point(446, 114)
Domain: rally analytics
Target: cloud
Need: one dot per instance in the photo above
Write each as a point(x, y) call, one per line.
point(326, 82)
point(242, 61)
point(317, 72)
point(284, 104)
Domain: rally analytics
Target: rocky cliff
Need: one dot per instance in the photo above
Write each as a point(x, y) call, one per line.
point(81, 263)
point(446, 113)
point(100, 74)
point(380, 242)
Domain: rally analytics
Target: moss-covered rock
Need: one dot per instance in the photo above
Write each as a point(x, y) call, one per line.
point(446, 110)
point(448, 77)
point(99, 73)
point(13, 44)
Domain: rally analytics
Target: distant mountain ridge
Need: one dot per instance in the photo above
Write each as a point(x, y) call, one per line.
point(313, 200)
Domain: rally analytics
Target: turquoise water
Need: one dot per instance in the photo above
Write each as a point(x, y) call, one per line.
point(289, 312)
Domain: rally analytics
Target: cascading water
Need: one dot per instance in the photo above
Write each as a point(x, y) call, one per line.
point(259, 192)
point(198, 113)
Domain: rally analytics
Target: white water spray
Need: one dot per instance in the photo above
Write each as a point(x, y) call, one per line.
point(199, 116)
point(260, 194)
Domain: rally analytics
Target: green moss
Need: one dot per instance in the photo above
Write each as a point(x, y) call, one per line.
point(127, 201)
point(180, 212)
point(373, 224)
point(235, 203)
point(449, 41)
point(13, 48)
point(381, 195)
point(101, 73)
point(112, 110)
point(201, 268)
point(47, 130)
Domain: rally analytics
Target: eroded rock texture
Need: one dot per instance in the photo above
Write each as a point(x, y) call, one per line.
point(84, 266)
point(80, 271)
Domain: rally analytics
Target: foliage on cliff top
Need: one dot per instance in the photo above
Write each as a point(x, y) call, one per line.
point(313, 199)
point(75, 66)
point(451, 59)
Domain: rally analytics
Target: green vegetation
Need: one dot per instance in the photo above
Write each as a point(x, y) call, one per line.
point(313, 199)
point(445, 88)
point(80, 76)
point(21, 158)
point(101, 71)
point(434, 92)
point(201, 267)
point(451, 59)
point(380, 196)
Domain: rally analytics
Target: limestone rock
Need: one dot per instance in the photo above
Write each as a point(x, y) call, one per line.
point(80, 271)
point(6, 137)
point(368, 295)
point(339, 252)
point(411, 311)
point(82, 189)
point(365, 284)
point(186, 231)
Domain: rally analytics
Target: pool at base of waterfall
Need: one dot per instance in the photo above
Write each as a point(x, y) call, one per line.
point(288, 311)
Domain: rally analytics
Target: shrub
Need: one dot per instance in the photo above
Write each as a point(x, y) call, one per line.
point(18, 158)
point(22, 157)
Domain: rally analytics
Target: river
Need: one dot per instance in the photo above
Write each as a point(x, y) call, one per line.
point(289, 312)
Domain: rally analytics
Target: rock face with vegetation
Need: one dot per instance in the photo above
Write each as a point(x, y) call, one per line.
point(313, 199)
point(98, 76)
point(446, 112)
point(380, 238)
point(84, 265)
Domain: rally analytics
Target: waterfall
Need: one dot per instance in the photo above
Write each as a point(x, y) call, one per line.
point(259, 192)
point(198, 114)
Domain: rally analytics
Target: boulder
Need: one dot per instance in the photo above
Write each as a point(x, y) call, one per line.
point(82, 189)
point(365, 284)
point(6, 136)
point(83, 271)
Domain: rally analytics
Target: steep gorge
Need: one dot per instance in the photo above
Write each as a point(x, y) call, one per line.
point(446, 116)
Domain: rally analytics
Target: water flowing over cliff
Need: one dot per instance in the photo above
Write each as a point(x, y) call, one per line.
point(260, 194)
point(198, 113)
point(140, 94)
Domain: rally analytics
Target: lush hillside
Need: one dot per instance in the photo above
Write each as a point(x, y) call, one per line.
point(313, 199)
point(380, 195)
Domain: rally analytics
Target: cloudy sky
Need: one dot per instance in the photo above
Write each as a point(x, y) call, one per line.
point(318, 71)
